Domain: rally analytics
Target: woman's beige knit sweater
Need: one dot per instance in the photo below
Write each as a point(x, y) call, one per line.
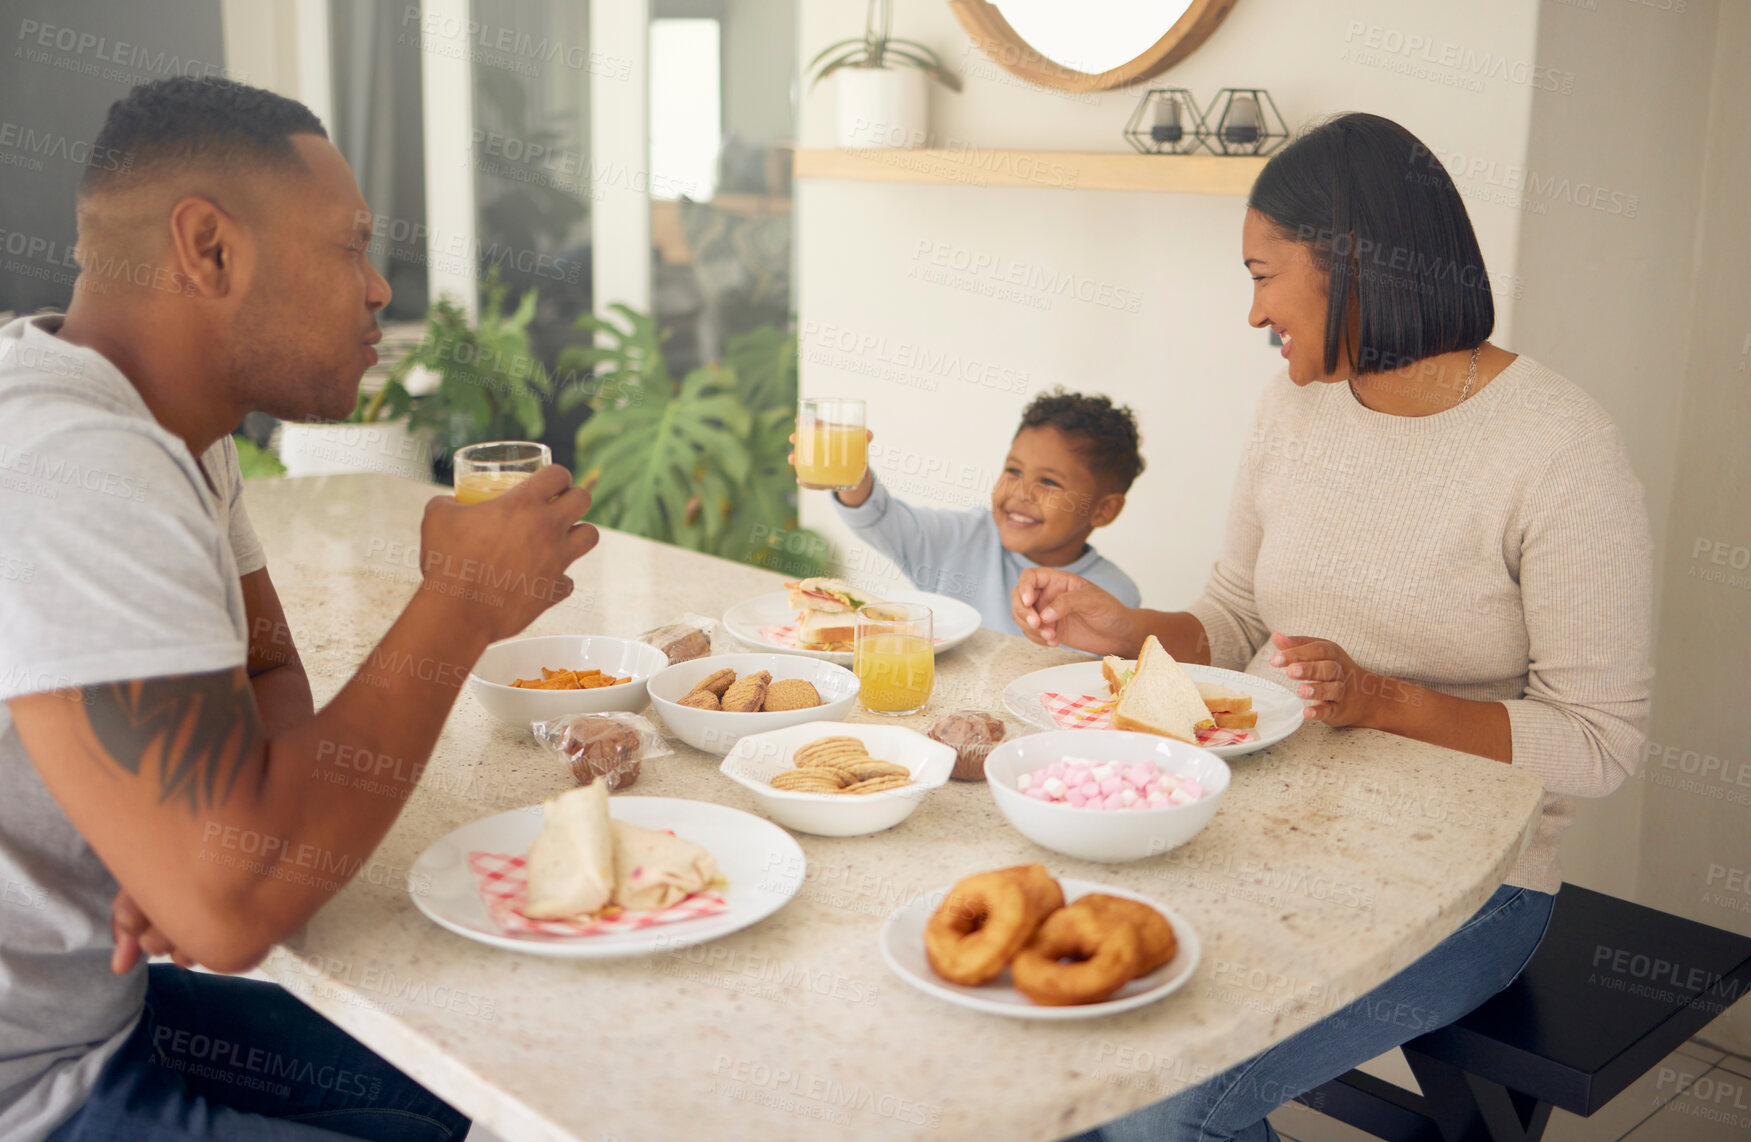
point(1497, 551)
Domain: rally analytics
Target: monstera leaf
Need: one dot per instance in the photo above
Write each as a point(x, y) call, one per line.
point(702, 463)
point(663, 468)
point(765, 364)
point(762, 525)
point(625, 370)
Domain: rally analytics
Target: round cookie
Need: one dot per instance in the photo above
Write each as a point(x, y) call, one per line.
point(791, 694)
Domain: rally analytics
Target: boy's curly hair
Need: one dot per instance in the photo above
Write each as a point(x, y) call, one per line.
point(1104, 435)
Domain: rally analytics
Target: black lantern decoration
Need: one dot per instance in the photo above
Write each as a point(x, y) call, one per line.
point(1166, 122)
point(1244, 121)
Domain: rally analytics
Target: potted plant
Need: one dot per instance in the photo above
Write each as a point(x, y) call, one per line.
point(881, 93)
point(700, 461)
point(461, 385)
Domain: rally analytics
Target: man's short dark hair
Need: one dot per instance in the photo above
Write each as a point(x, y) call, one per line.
point(1382, 217)
point(1104, 435)
point(186, 121)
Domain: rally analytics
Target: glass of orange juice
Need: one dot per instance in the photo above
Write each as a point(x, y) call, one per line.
point(894, 657)
point(484, 471)
point(832, 450)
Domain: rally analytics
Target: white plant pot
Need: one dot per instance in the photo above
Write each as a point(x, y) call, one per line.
point(882, 106)
point(386, 448)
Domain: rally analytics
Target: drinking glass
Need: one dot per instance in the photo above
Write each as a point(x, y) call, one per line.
point(832, 450)
point(894, 657)
point(484, 471)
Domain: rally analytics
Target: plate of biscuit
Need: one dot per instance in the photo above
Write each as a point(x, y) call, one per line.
point(712, 703)
point(1019, 943)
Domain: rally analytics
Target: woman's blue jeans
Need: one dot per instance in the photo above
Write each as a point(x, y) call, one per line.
point(1458, 974)
point(220, 1059)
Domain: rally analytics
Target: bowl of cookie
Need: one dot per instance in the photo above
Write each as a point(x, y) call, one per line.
point(712, 703)
point(839, 779)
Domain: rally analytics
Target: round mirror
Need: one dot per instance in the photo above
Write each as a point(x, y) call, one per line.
point(1092, 45)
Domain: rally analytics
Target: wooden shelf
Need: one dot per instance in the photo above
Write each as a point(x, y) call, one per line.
point(1045, 170)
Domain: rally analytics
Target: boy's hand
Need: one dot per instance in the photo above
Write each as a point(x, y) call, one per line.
point(1054, 607)
point(854, 497)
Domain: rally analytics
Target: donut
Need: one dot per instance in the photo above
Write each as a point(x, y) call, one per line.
point(1158, 942)
point(1042, 891)
point(1078, 955)
point(982, 922)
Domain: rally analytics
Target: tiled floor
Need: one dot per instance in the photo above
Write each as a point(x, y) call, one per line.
point(1698, 1094)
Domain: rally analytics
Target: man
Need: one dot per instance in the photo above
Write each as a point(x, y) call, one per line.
point(150, 695)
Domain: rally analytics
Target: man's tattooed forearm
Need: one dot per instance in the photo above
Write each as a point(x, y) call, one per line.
point(195, 730)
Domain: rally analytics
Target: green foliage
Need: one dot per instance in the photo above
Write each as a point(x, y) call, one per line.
point(701, 462)
point(490, 383)
point(255, 463)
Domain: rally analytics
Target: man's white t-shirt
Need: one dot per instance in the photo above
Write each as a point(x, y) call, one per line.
point(118, 560)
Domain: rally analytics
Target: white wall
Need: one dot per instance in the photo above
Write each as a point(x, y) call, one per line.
point(1609, 273)
point(1185, 358)
point(1696, 829)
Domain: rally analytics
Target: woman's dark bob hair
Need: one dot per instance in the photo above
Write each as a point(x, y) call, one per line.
point(1384, 220)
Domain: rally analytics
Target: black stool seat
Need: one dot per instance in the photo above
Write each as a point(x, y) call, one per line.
point(1613, 989)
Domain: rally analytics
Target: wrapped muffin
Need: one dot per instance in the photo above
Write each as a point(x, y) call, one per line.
point(972, 734)
point(606, 746)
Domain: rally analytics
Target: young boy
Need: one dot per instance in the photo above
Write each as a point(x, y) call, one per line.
point(1068, 469)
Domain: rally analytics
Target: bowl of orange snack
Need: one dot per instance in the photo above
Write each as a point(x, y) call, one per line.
point(524, 680)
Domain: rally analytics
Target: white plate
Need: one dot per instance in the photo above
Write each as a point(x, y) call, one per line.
point(903, 947)
point(762, 863)
point(1278, 709)
point(952, 621)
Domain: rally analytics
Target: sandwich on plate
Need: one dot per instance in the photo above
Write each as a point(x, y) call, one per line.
point(1159, 698)
point(826, 609)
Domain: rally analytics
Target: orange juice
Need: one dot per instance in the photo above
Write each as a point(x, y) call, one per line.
point(479, 487)
point(897, 672)
point(832, 455)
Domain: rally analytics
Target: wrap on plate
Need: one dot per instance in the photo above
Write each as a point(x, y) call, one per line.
point(571, 864)
point(654, 869)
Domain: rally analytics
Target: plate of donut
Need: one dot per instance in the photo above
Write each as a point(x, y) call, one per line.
point(1077, 958)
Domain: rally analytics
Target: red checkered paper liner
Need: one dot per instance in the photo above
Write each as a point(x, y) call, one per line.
point(504, 888)
point(786, 636)
point(1095, 712)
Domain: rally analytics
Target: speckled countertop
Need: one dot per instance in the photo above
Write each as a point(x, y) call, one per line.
point(1338, 857)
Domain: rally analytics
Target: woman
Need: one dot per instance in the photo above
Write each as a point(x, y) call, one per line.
point(1429, 535)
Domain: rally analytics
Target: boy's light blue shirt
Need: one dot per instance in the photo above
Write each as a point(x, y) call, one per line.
point(961, 554)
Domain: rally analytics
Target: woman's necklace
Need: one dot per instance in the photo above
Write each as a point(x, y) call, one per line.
point(1470, 375)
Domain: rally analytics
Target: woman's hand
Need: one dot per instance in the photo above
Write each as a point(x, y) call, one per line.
point(135, 934)
point(1338, 692)
point(1054, 607)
